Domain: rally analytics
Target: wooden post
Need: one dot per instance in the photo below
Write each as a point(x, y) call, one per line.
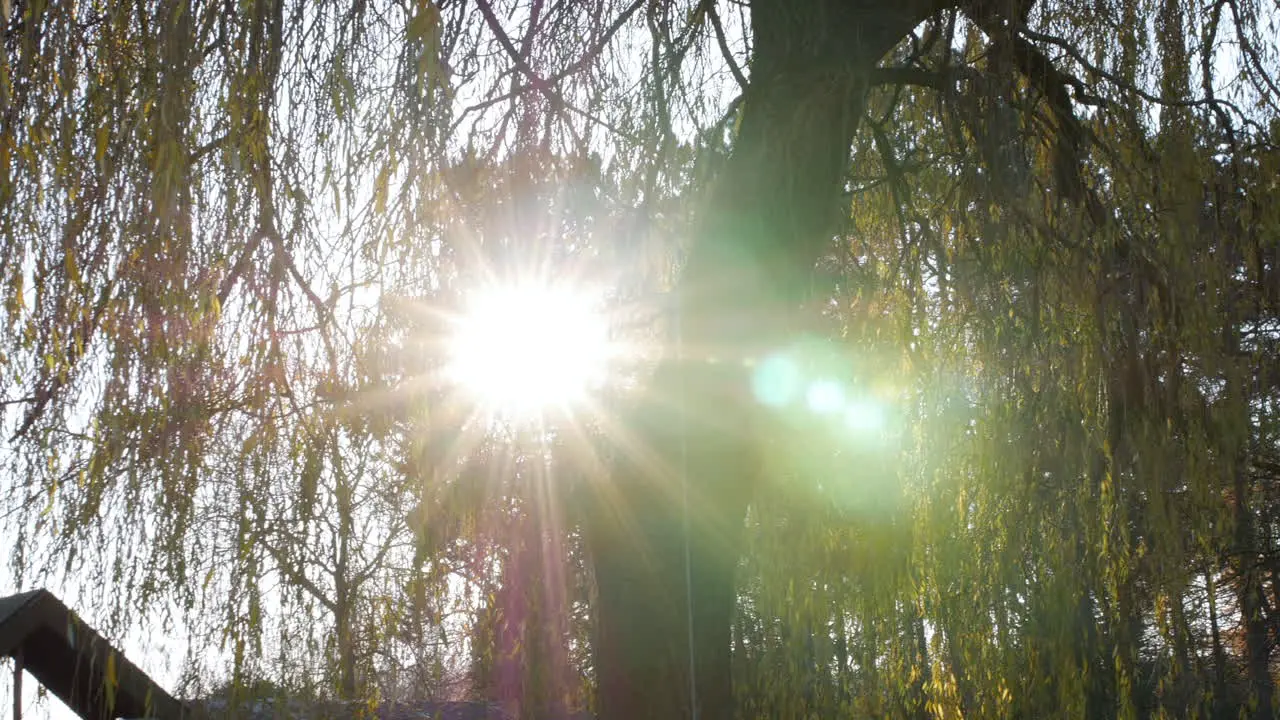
point(17, 685)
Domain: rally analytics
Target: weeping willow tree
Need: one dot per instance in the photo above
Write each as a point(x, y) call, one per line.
point(1084, 460)
point(1045, 231)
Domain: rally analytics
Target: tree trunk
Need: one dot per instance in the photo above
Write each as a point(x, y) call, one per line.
point(762, 227)
point(1252, 604)
point(348, 688)
point(1219, 653)
point(844, 698)
point(919, 697)
point(346, 592)
point(1188, 669)
point(1248, 550)
point(343, 621)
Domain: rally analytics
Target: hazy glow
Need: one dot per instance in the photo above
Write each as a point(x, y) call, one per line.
point(865, 416)
point(524, 349)
point(825, 397)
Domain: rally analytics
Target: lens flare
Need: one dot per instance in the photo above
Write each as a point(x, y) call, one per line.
point(825, 397)
point(864, 416)
point(776, 381)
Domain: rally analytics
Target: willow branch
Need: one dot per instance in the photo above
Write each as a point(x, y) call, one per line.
point(199, 153)
point(1259, 73)
point(714, 17)
point(591, 55)
point(1114, 79)
point(291, 571)
point(46, 394)
point(536, 81)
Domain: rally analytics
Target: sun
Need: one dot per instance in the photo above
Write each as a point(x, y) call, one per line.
point(528, 348)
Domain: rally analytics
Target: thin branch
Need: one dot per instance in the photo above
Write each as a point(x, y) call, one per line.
point(198, 154)
point(547, 86)
point(19, 401)
point(522, 63)
point(375, 564)
point(1040, 71)
point(710, 8)
point(295, 575)
point(287, 258)
point(894, 172)
point(1251, 52)
point(591, 55)
point(242, 264)
point(46, 394)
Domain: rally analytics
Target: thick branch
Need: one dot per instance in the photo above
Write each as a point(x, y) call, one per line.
point(940, 80)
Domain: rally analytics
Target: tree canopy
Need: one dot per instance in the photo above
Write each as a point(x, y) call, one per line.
point(951, 337)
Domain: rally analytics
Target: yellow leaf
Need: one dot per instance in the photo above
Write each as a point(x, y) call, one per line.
point(100, 151)
point(111, 682)
point(380, 190)
point(73, 270)
point(424, 23)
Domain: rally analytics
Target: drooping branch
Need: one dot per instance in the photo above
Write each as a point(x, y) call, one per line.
point(48, 391)
point(520, 59)
point(1083, 96)
point(1072, 138)
point(709, 7)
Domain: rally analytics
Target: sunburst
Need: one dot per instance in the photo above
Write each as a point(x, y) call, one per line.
point(525, 349)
